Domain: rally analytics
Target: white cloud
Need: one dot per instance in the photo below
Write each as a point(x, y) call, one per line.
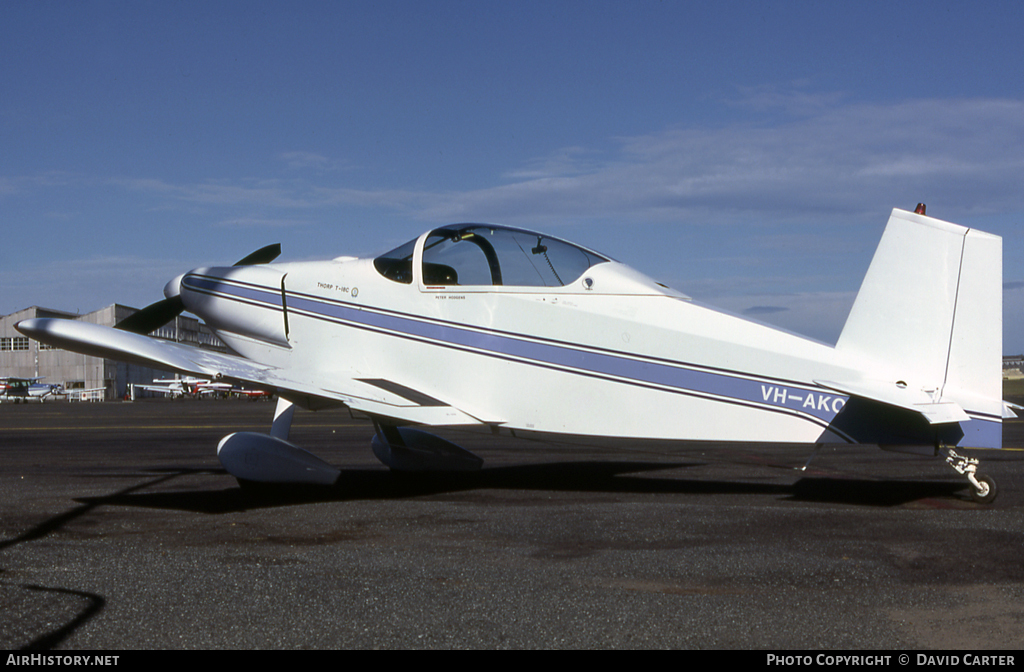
point(307, 161)
point(563, 162)
point(261, 222)
point(840, 158)
point(821, 157)
point(796, 155)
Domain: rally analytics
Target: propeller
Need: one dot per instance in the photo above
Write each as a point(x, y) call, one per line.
point(153, 316)
point(156, 315)
point(264, 255)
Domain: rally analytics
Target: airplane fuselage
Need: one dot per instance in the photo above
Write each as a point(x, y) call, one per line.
point(530, 333)
point(630, 358)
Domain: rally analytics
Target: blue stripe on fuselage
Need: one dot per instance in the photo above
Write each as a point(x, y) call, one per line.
point(783, 397)
point(812, 403)
point(249, 293)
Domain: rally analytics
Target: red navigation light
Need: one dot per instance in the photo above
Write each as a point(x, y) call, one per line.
point(920, 209)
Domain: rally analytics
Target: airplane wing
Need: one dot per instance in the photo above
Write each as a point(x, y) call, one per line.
point(381, 398)
point(917, 401)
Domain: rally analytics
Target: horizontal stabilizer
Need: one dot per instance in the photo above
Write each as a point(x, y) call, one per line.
point(893, 394)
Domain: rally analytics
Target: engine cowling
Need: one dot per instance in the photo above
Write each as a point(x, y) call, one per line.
point(246, 300)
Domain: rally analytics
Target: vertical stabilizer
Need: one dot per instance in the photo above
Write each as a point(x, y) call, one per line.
point(929, 316)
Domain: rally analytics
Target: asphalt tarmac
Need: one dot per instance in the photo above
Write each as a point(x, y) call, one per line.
point(119, 530)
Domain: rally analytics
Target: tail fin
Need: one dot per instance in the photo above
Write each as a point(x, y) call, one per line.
point(929, 317)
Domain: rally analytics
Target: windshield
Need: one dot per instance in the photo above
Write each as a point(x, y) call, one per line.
point(397, 264)
point(476, 254)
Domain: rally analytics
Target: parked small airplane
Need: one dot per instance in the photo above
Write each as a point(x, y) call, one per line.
point(26, 389)
point(518, 332)
point(252, 395)
point(189, 386)
point(15, 389)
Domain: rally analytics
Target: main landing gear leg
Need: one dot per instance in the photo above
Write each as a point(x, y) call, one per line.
point(282, 426)
point(984, 486)
point(255, 458)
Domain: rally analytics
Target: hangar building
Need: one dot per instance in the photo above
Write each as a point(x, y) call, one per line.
point(84, 376)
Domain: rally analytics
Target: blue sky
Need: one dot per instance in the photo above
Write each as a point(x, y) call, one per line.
point(745, 153)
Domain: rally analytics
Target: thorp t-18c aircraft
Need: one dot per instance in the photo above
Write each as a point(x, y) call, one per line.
point(513, 331)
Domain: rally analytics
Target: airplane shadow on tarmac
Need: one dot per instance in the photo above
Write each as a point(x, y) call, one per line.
point(378, 484)
point(34, 625)
point(589, 477)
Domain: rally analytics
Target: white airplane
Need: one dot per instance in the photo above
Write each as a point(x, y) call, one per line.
point(187, 386)
point(43, 391)
point(512, 331)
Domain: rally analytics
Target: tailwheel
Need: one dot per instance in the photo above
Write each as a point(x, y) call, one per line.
point(985, 489)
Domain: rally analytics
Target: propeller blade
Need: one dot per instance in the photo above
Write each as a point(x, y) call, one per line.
point(153, 316)
point(156, 315)
point(264, 255)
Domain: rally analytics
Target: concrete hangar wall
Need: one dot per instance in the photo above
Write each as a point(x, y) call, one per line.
point(23, 357)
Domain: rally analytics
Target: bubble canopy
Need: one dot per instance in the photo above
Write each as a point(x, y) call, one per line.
point(483, 254)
